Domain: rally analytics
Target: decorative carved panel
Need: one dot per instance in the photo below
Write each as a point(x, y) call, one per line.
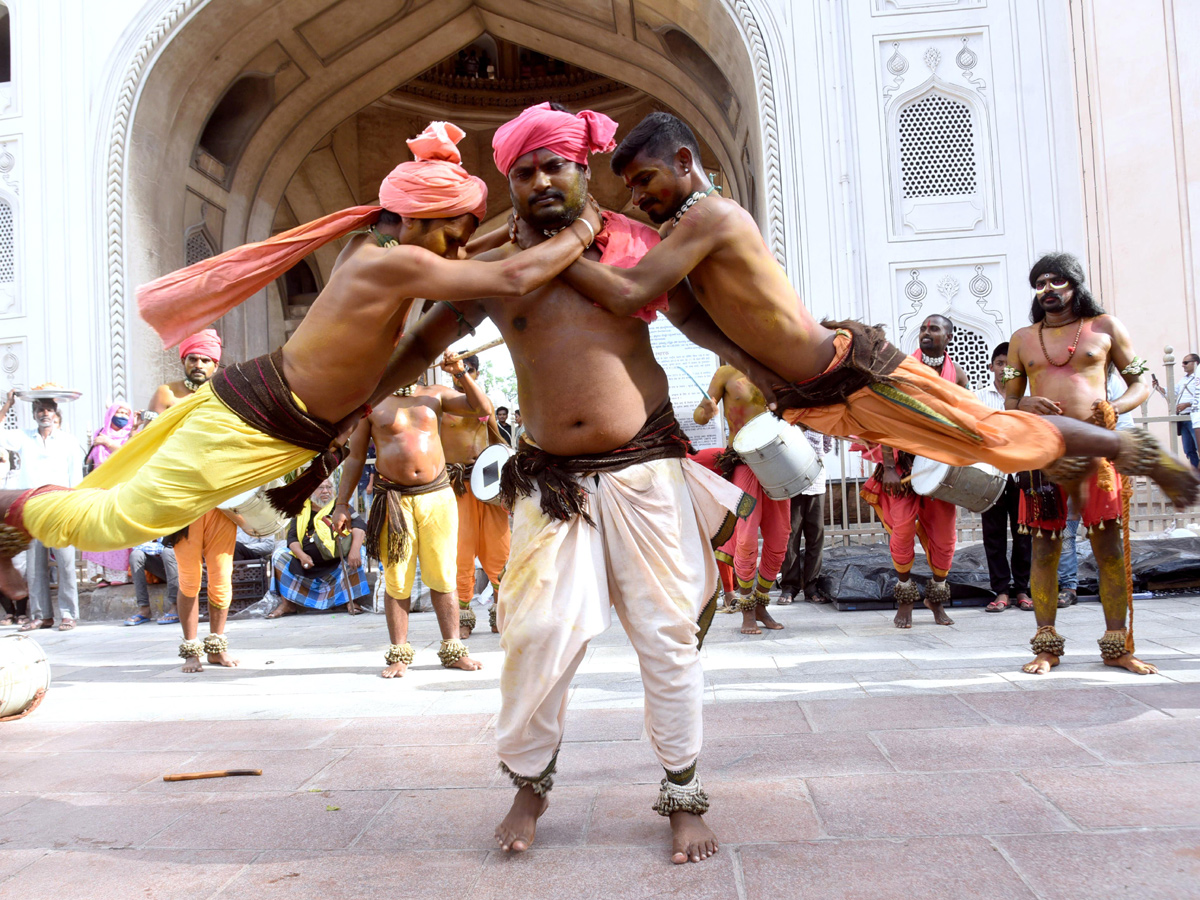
point(903, 7)
point(937, 122)
point(969, 292)
point(14, 373)
point(11, 232)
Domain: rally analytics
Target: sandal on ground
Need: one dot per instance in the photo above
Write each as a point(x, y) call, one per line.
point(817, 597)
point(1025, 603)
point(998, 605)
point(138, 619)
point(22, 620)
point(1067, 598)
point(35, 624)
point(785, 599)
point(168, 619)
point(66, 624)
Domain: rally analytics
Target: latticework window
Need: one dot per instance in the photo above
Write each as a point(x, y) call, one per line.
point(937, 148)
point(197, 248)
point(971, 353)
point(8, 245)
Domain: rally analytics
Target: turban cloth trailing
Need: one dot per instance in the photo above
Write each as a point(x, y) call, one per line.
point(202, 343)
point(434, 185)
point(568, 135)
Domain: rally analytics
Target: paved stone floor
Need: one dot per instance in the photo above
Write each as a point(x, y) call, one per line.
point(845, 759)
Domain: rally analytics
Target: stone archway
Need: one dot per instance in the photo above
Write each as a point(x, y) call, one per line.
point(329, 64)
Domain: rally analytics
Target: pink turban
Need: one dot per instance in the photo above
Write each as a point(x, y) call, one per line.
point(202, 343)
point(433, 186)
point(570, 136)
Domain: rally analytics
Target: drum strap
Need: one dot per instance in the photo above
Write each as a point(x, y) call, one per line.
point(388, 510)
point(558, 478)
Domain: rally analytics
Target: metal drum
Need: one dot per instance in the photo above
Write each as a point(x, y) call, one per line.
point(24, 675)
point(779, 455)
point(977, 488)
point(485, 475)
point(253, 513)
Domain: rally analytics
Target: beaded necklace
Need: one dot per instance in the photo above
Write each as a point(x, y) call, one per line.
point(191, 385)
point(934, 361)
point(691, 201)
point(1070, 350)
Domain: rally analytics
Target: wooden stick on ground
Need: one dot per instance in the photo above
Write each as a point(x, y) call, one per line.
point(223, 773)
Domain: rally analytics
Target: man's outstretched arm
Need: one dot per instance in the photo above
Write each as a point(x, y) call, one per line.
point(419, 348)
point(625, 291)
point(686, 314)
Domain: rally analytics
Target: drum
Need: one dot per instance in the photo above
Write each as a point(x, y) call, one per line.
point(253, 513)
point(24, 675)
point(485, 476)
point(779, 454)
point(977, 487)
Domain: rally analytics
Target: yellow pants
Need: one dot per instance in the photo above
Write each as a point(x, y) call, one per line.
point(432, 521)
point(194, 457)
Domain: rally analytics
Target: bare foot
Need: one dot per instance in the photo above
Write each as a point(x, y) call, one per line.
point(1178, 481)
point(749, 626)
point(192, 664)
point(467, 664)
point(939, 614)
point(352, 608)
point(463, 632)
point(221, 659)
point(1041, 664)
point(395, 670)
point(760, 613)
point(691, 839)
point(903, 616)
point(515, 834)
point(285, 608)
point(1133, 664)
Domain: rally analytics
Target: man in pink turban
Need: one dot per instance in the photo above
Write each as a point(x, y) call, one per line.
point(607, 510)
point(261, 419)
point(199, 354)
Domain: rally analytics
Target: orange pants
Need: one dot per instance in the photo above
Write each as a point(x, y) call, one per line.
point(774, 519)
point(483, 533)
point(212, 538)
point(925, 414)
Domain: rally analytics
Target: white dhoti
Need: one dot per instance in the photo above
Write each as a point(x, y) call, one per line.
point(649, 556)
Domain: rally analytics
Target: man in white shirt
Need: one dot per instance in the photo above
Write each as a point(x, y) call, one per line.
point(1007, 576)
point(50, 455)
point(1187, 403)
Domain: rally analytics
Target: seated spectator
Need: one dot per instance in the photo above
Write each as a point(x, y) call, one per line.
point(250, 547)
point(153, 557)
point(315, 568)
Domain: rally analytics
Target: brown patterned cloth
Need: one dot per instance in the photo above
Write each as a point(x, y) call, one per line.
point(871, 360)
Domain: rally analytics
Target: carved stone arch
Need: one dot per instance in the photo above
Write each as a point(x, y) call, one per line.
point(942, 215)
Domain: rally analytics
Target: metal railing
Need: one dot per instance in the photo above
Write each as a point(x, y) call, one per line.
point(851, 521)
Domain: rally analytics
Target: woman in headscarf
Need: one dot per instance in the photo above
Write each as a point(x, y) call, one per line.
point(111, 566)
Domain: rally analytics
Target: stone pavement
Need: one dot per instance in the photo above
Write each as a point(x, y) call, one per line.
point(844, 759)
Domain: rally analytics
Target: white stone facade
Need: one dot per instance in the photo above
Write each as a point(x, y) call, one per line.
point(903, 157)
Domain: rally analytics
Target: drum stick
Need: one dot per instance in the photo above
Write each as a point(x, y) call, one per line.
point(488, 346)
point(223, 773)
point(694, 381)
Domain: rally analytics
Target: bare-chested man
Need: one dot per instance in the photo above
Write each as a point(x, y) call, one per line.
point(1064, 358)
point(261, 419)
point(199, 355)
point(482, 527)
point(755, 577)
point(414, 514)
point(607, 512)
point(846, 379)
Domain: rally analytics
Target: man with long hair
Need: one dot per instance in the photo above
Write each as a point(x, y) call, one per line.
point(1063, 357)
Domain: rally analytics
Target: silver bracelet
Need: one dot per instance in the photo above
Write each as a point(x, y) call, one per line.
point(591, 231)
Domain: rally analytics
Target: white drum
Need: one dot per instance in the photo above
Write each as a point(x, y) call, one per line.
point(485, 475)
point(779, 455)
point(253, 513)
point(977, 488)
point(24, 675)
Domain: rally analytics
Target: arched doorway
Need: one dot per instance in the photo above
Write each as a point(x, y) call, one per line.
point(290, 74)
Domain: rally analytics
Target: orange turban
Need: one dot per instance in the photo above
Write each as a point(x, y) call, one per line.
point(570, 136)
point(433, 186)
point(203, 343)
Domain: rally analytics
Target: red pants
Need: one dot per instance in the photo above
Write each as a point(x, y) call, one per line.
point(774, 519)
point(483, 533)
point(933, 522)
